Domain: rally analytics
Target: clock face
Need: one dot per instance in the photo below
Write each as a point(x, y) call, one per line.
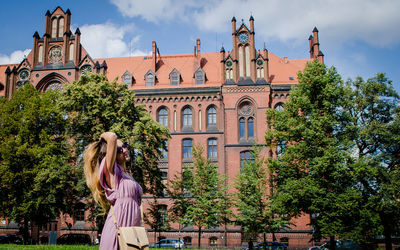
point(260, 62)
point(229, 63)
point(85, 69)
point(243, 37)
point(24, 74)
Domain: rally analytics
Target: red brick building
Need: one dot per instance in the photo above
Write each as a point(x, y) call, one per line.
point(215, 99)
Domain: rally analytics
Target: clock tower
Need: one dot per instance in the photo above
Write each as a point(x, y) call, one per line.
point(241, 65)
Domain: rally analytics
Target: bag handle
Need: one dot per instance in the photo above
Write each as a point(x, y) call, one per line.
point(114, 219)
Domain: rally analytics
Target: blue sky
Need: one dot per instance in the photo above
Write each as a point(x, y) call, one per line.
point(358, 37)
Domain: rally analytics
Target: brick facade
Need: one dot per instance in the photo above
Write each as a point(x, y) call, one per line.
point(227, 94)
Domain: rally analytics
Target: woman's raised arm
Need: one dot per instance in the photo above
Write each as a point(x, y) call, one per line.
point(111, 139)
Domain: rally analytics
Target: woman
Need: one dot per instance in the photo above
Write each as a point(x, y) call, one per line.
point(106, 177)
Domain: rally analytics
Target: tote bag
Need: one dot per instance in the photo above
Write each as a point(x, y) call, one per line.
point(130, 238)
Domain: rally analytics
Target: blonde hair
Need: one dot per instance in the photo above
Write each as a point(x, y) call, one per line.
point(94, 153)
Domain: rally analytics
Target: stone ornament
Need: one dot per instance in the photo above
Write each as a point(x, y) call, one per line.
point(55, 54)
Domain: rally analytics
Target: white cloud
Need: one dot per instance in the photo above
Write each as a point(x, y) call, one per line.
point(109, 40)
point(156, 10)
point(15, 57)
point(340, 21)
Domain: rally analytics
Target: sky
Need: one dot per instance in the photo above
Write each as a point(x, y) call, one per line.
point(358, 37)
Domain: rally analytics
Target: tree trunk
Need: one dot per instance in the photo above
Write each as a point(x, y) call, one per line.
point(25, 232)
point(386, 231)
point(199, 237)
point(155, 236)
point(332, 243)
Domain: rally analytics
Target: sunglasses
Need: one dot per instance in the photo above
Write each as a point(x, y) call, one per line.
point(119, 148)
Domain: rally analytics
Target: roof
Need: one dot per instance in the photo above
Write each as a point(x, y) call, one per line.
point(282, 71)
point(185, 64)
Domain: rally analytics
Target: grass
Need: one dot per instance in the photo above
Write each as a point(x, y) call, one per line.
point(46, 247)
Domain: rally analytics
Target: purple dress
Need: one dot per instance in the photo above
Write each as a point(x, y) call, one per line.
point(126, 199)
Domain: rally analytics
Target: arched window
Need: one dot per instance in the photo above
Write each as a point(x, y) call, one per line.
point(164, 153)
point(54, 28)
point(212, 149)
point(187, 117)
point(40, 56)
point(187, 149)
point(229, 71)
point(245, 157)
point(280, 148)
point(71, 51)
point(212, 116)
point(163, 117)
point(246, 115)
point(279, 106)
point(242, 127)
point(250, 127)
point(61, 27)
point(174, 77)
point(260, 68)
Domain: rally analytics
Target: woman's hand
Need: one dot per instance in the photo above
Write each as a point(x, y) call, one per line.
point(108, 136)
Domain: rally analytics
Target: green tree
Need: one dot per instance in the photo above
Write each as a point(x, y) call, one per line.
point(204, 196)
point(34, 175)
point(94, 105)
point(374, 129)
point(156, 217)
point(178, 192)
point(311, 174)
point(252, 199)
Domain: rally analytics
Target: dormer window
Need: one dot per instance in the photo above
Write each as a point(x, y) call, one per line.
point(174, 77)
point(150, 78)
point(199, 76)
point(127, 78)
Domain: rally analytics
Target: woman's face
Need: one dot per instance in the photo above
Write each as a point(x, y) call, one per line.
point(122, 153)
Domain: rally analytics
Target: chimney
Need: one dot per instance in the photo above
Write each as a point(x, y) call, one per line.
point(154, 58)
point(310, 42)
point(198, 46)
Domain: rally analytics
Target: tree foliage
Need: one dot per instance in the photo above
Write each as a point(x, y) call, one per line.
point(156, 217)
point(202, 194)
point(34, 175)
point(312, 175)
point(95, 105)
point(252, 199)
point(374, 129)
point(341, 159)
